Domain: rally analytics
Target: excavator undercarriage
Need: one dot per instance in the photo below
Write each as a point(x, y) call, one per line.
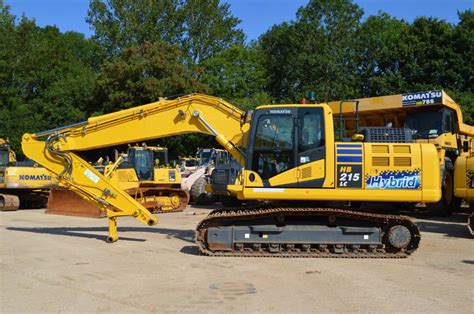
point(306, 232)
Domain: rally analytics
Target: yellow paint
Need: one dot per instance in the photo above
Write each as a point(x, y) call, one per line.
point(463, 178)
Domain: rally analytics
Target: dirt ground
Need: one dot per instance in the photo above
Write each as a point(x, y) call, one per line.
point(55, 263)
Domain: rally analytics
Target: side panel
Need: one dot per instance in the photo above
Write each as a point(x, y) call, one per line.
point(125, 179)
point(386, 172)
point(349, 165)
point(393, 167)
point(28, 178)
point(167, 176)
point(464, 178)
point(431, 178)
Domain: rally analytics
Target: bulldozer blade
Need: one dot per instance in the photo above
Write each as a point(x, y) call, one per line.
point(9, 202)
point(68, 203)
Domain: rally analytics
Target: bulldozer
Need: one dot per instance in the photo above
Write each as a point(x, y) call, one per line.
point(290, 157)
point(22, 184)
point(423, 117)
point(143, 172)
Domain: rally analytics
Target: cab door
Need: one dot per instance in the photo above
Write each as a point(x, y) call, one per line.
point(272, 147)
point(311, 147)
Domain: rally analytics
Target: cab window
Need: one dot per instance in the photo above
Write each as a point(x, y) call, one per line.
point(274, 144)
point(3, 158)
point(312, 131)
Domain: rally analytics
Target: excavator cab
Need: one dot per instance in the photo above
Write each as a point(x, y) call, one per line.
point(284, 139)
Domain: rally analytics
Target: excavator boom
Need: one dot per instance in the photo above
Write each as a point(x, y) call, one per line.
point(54, 149)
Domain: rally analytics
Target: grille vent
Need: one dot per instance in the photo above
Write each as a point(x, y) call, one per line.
point(380, 161)
point(306, 173)
point(401, 149)
point(402, 161)
point(380, 149)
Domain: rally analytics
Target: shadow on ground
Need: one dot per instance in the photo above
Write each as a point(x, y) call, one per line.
point(454, 226)
point(86, 232)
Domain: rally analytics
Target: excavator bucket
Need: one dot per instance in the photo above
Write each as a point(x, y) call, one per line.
point(9, 202)
point(68, 203)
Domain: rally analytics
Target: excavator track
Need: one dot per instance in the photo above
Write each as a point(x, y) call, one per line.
point(398, 235)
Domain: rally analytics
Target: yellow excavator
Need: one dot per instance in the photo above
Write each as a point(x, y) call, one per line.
point(22, 184)
point(289, 157)
point(143, 172)
point(428, 117)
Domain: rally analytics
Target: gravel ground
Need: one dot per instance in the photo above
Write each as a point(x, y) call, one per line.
point(55, 263)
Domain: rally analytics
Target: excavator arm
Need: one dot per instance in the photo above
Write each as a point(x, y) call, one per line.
point(195, 113)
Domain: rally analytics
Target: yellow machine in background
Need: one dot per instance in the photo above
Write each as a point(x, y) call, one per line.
point(143, 172)
point(429, 117)
point(21, 183)
point(289, 154)
point(464, 184)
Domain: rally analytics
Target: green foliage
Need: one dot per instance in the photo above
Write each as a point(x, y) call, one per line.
point(47, 77)
point(201, 28)
point(315, 52)
point(237, 75)
point(383, 50)
point(208, 28)
point(141, 75)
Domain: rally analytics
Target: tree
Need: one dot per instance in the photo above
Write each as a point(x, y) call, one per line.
point(141, 75)
point(237, 75)
point(431, 43)
point(119, 24)
point(208, 28)
point(383, 52)
point(443, 55)
point(200, 28)
point(280, 51)
point(47, 77)
point(463, 46)
point(315, 52)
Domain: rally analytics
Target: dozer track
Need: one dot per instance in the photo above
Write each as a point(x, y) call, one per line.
point(9, 202)
point(175, 200)
point(269, 231)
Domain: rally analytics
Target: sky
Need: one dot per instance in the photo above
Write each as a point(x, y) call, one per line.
point(257, 16)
